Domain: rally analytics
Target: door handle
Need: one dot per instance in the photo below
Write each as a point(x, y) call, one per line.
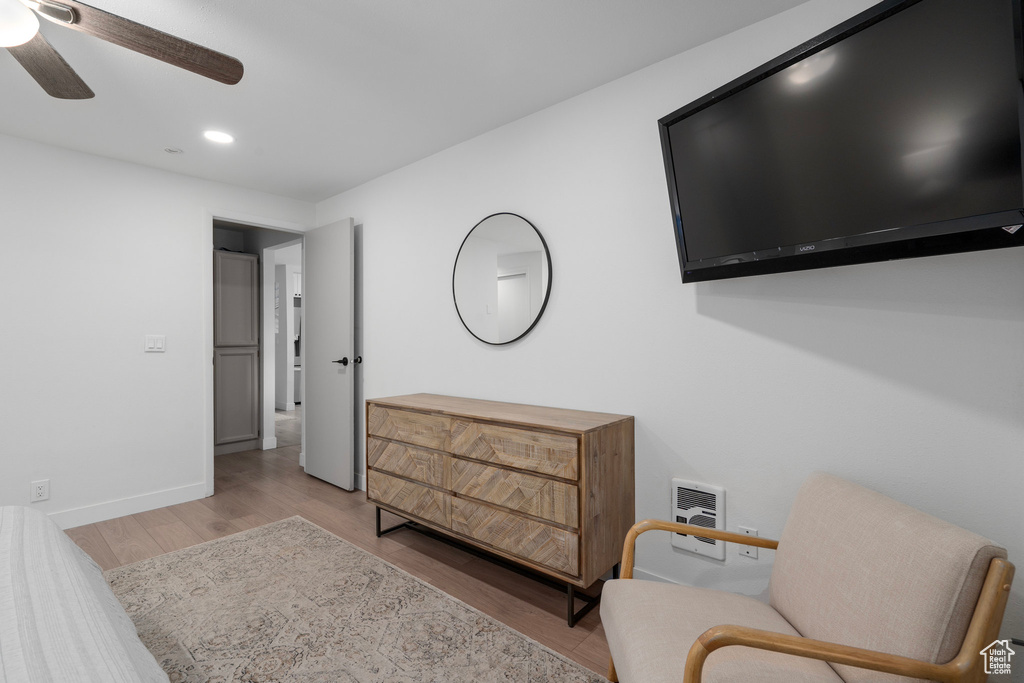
point(357, 359)
point(343, 361)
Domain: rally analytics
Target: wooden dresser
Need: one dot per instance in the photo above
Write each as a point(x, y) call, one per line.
point(548, 488)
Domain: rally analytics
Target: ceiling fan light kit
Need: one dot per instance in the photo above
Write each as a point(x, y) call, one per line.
point(59, 80)
point(17, 24)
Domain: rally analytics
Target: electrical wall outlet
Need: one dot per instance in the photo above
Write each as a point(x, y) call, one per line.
point(748, 550)
point(40, 491)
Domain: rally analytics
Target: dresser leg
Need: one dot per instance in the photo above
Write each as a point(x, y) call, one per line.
point(381, 532)
point(573, 616)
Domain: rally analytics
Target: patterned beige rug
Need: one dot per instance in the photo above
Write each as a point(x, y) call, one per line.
point(290, 601)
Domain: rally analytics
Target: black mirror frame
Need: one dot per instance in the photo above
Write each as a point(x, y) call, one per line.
point(547, 291)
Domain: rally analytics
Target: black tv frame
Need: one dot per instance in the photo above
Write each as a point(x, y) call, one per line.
point(975, 233)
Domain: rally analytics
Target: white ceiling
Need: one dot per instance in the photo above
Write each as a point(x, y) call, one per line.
point(337, 92)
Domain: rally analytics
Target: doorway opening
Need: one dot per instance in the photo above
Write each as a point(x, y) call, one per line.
point(271, 396)
point(288, 426)
point(287, 330)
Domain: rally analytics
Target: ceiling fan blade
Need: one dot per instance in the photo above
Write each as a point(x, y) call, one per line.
point(144, 40)
point(50, 70)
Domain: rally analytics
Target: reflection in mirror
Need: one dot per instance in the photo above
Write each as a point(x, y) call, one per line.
point(502, 278)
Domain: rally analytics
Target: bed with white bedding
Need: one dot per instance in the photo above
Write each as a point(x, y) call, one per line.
point(59, 620)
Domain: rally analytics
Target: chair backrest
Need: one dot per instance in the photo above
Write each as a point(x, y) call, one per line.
point(857, 568)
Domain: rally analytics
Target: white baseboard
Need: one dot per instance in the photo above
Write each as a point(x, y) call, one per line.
point(648, 576)
point(99, 512)
point(284, 406)
point(360, 482)
point(270, 443)
point(237, 447)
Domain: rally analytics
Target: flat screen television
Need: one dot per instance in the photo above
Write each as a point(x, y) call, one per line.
point(894, 135)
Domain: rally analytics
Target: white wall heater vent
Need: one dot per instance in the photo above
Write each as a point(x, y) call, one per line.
point(699, 505)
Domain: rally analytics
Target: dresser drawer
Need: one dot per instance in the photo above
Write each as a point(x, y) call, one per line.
point(535, 542)
point(418, 429)
point(554, 454)
point(408, 462)
point(419, 501)
point(552, 500)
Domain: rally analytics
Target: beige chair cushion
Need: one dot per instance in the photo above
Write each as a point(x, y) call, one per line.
point(858, 568)
point(650, 627)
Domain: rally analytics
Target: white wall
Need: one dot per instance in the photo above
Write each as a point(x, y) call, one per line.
point(907, 377)
point(97, 254)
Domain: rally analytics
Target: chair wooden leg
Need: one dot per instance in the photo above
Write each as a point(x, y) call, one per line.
point(611, 671)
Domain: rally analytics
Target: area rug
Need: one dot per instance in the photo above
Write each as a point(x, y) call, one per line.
point(290, 601)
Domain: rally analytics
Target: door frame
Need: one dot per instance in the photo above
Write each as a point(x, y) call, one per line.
point(206, 255)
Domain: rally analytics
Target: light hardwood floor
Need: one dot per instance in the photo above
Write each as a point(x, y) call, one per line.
point(253, 488)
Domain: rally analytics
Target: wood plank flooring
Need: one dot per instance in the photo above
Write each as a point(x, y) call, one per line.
point(258, 487)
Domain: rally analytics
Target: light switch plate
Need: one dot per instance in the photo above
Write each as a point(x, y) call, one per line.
point(155, 343)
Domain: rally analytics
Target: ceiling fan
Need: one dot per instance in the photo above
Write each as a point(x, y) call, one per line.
point(19, 33)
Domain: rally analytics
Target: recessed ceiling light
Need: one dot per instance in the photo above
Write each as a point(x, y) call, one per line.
point(218, 136)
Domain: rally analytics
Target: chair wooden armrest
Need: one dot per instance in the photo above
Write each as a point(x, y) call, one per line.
point(722, 636)
point(964, 668)
point(629, 547)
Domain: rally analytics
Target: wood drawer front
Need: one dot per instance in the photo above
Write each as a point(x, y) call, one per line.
point(419, 429)
point(555, 501)
point(433, 506)
point(554, 454)
point(408, 461)
point(538, 543)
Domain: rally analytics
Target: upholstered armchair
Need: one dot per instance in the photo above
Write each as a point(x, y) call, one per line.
point(861, 584)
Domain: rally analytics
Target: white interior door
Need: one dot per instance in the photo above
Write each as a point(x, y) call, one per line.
point(328, 303)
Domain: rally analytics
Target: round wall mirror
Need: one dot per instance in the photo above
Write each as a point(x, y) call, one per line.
point(502, 278)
